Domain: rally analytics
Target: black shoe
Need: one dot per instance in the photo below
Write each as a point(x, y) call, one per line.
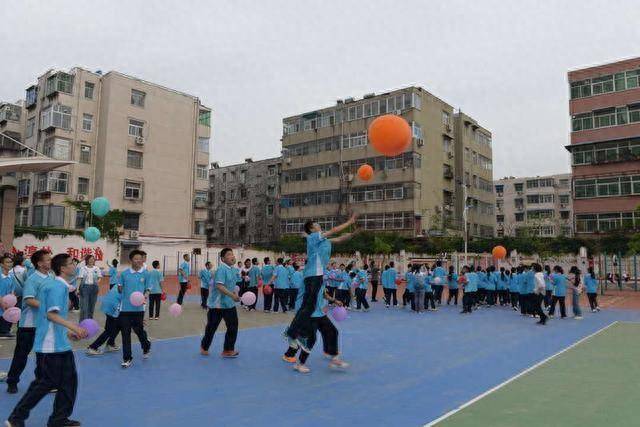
point(69, 423)
point(12, 388)
point(14, 423)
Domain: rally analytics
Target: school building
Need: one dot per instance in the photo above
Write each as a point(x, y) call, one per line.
point(420, 192)
point(605, 146)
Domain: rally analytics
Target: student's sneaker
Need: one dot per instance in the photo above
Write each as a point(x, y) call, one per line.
point(515, 308)
point(203, 352)
point(70, 423)
point(267, 311)
point(288, 359)
point(3, 376)
point(433, 309)
point(386, 305)
point(302, 343)
point(93, 352)
point(577, 317)
point(230, 354)
point(146, 354)
point(594, 311)
point(338, 364)
point(12, 388)
point(597, 308)
point(550, 316)
point(301, 368)
point(126, 363)
point(365, 310)
point(14, 423)
point(111, 348)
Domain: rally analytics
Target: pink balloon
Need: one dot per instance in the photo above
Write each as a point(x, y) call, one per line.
point(339, 314)
point(10, 300)
point(136, 299)
point(175, 309)
point(12, 315)
point(248, 298)
point(437, 280)
point(91, 326)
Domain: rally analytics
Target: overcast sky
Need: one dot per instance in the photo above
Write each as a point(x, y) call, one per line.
point(255, 62)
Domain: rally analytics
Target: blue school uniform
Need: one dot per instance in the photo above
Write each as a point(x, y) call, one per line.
point(472, 282)
point(132, 281)
point(591, 283)
point(6, 287)
point(390, 282)
point(31, 290)
point(502, 281)
point(453, 282)
point(363, 279)
point(51, 337)
point(267, 273)
point(282, 277)
point(113, 276)
point(321, 303)
point(297, 280)
point(439, 272)
point(548, 286)
point(345, 284)
point(186, 268)
point(318, 255)
point(559, 284)
point(254, 274)
point(154, 281)
point(290, 271)
point(411, 281)
point(205, 277)
point(225, 276)
point(111, 302)
point(428, 281)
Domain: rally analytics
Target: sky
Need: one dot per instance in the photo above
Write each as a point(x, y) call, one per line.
point(503, 62)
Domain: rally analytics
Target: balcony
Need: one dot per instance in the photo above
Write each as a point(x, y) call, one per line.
point(10, 112)
point(59, 82)
point(31, 97)
point(200, 204)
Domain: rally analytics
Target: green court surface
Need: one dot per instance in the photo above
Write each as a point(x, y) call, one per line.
point(595, 383)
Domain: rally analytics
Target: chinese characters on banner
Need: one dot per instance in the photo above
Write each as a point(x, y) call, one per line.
point(78, 253)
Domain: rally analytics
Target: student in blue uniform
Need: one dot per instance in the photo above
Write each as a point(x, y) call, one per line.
point(481, 293)
point(27, 325)
point(514, 289)
point(429, 295)
point(407, 295)
point(110, 306)
point(254, 277)
point(591, 283)
point(418, 289)
point(297, 282)
point(389, 285)
point(292, 291)
point(55, 364)
point(280, 279)
point(131, 317)
point(267, 274)
point(548, 293)
point(205, 278)
point(221, 303)
point(490, 285)
point(441, 273)
point(361, 291)
point(502, 283)
point(30, 266)
point(559, 281)
point(344, 285)
point(113, 273)
point(452, 282)
point(6, 288)
point(184, 271)
point(470, 289)
point(331, 279)
point(154, 288)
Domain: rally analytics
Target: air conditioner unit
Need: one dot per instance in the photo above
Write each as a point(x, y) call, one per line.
point(419, 142)
point(350, 177)
point(397, 112)
point(139, 140)
point(80, 197)
point(288, 160)
point(133, 234)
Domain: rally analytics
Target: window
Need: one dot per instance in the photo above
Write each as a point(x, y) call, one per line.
point(500, 218)
point(58, 148)
point(564, 199)
point(519, 217)
point(269, 210)
point(446, 144)
point(58, 116)
point(565, 214)
point(271, 190)
point(271, 170)
point(56, 182)
point(202, 172)
point(224, 177)
point(83, 186)
point(500, 188)
point(81, 219)
point(357, 139)
point(603, 187)
point(131, 221)
point(24, 186)
point(132, 190)
point(88, 90)
point(446, 118)
point(199, 228)
point(201, 198)
point(85, 154)
point(242, 212)
point(31, 96)
point(243, 193)
point(48, 216)
point(22, 217)
point(59, 82)
point(203, 145)
point(204, 118)
point(134, 159)
point(87, 122)
point(540, 214)
point(136, 128)
point(416, 130)
point(137, 97)
point(31, 126)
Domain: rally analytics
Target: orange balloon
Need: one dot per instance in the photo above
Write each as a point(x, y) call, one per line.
point(365, 172)
point(390, 135)
point(499, 252)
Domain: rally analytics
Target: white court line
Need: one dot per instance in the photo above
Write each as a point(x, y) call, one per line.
point(526, 371)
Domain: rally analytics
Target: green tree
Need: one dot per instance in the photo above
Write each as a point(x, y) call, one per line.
point(109, 225)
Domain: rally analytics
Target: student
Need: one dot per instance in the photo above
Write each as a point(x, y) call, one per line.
point(27, 325)
point(55, 364)
point(538, 293)
point(113, 273)
point(502, 286)
point(375, 281)
point(470, 283)
point(407, 295)
point(6, 288)
point(452, 282)
point(419, 289)
point(254, 278)
point(19, 276)
point(75, 282)
point(154, 287)
point(332, 284)
point(591, 283)
point(576, 287)
point(89, 277)
point(281, 280)
point(440, 273)
point(267, 274)
point(297, 281)
point(344, 284)
point(318, 255)
point(389, 285)
point(481, 293)
point(221, 303)
point(293, 291)
point(429, 296)
point(559, 281)
point(491, 285)
point(205, 278)
point(110, 306)
point(244, 282)
point(184, 271)
point(514, 289)
point(361, 291)
point(131, 317)
point(548, 287)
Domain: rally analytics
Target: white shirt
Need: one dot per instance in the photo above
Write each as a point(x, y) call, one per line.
point(539, 282)
point(89, 274)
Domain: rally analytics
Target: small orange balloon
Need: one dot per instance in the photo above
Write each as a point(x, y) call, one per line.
point(499, 252)
point(365, 172)
point(390, 135)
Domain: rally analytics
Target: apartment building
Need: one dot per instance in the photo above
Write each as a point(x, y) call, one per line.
point(538, 206)
point(11, 128)
point(415, 193)
point(243, 202)
point(143, 146)
point(605, 146)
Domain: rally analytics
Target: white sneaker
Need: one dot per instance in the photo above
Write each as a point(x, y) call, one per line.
point(301, 368)
point(111, 349)
point(92, 352)
point(146, 355)
point(594, 310)
point(3, 376)
point(126, 363)
point(577, 317)
point(338, 364)
point(365, 310)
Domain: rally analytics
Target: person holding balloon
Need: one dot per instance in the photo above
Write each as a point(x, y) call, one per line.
point(254, 282)
point(6, 288)
point(55, 363)
point(154, 288)
point(110, 306)
point(267, 288)
point(438, 285)
point(183, 277)
point(205, 278)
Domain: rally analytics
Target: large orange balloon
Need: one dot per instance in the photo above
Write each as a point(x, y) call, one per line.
point(390, 135)
point(499, 252)
point(365, 172)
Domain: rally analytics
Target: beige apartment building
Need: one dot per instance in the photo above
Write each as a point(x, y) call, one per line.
point(143, 146)
point(416, 193)
point(538, 206)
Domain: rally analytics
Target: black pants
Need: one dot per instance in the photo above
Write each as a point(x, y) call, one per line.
point(331, 290)
point(75, 301)
point(132, 320)
point(268, 299)
point(342, 295)
point(361, 299)
point(593, 300)
point(410, 298)
point(524, 306)
point(254, 290)
point(407, 296)
point(503, 294)
point(429, 297)
point(491, 297)
point(301, 325)
point(24, 345)
point(293, 293)
point(328, 332)
point(53, 370)
point(468, 299)
point(388, 294)
point(154, 304)
point(374, 290)
point(536, 307)
point(111, 329)
point(515, 298)
point(5, 327)
point(214, 316)
point(547, 298)
point(437, 293)
point(204, 295)
point(563, 308)
point(281, 299)
point(453, 294)
point(183, 290)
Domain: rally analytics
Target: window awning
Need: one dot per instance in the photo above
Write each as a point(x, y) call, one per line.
point(30, 164)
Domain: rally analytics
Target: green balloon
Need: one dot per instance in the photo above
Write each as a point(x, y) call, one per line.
point(100, 206)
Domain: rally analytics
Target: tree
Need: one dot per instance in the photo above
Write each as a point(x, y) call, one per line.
point(109, 225)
